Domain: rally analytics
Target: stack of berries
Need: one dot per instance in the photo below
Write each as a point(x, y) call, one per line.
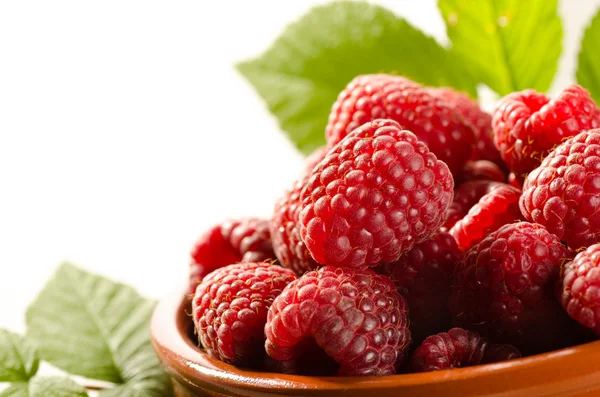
point(426, 235)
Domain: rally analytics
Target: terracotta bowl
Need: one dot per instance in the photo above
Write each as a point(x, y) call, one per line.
point(573, 372)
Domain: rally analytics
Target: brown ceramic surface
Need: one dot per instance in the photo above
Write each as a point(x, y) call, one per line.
point(573, 372)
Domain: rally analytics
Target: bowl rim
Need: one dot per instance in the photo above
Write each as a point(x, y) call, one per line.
point(188, 363)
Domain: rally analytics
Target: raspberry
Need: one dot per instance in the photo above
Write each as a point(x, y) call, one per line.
point(233, 241)
point(563, 194)
point(375, 195)
point(512, 180)
point(482, 121)
point(458, 348)
point(422, 276)
point(465, 197)
point(495, 209)
point(230, 309)
point(356, 316)
point(433, 120)
point(527, 125)
point(285, 228)
point(312, 362)
point(481, 170)
point(315, 158)
point(580, 293)
point(504, 288)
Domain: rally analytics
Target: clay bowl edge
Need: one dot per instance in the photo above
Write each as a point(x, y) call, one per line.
point(571, 372)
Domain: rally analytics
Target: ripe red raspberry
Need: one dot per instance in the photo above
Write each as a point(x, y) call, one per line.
point(458, 348)
point(481, 170)
point(422, 276)
point(512, 180)
point(230, 309)
point(375, 195)
point(285, 227)
point(505, 288)
point(315, 158)
point(233, 241)
point(580, 292)
point(356, 316)
point(482, 121)
point(465, 197)
point(563, 194)
point(495, 209)
point(433, 120)
point(527, 125)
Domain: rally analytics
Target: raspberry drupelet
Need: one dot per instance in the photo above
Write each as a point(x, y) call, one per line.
point(563, 193)
point(465, 197)
point(528, 125)
point(374, 196)
point(285, 227)
point(494, 209)
point(356, 316)
point(233, 241)
point(580, 290)
point(481, 170)
point(230, 308)
point(512, 181)
point(484, 146)
point(436, 122)
point(505, 288)
point(458, 348)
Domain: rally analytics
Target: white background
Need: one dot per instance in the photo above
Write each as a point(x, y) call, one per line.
point(125, 131)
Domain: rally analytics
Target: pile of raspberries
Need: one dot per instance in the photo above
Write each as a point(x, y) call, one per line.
point(426, 235)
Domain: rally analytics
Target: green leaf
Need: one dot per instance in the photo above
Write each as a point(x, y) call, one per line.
point(93, 327)
point(45, 387)
point(302, 73)
point(18, 358)
point(509, 45)
point(588, 69)
point(55, 387)
point(19, 389)
point(138, 387)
